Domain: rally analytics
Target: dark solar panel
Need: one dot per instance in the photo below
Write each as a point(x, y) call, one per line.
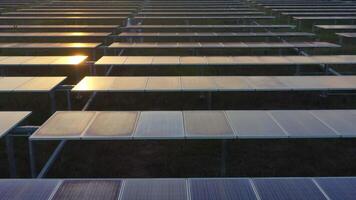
point(27, 189)
point(89, 190)
point(155, 189)
point(227, 189)
point(339, 188)
point(287, 188)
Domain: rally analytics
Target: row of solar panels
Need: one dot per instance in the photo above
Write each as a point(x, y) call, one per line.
point(232, 124)
point(322, 12)
point(180, 60)
point(226, 60)
point(127, 13)
point(179, 45)
point(59, 28)
point(329, 188)
point(182, 83)
point(214, 83)
point(212, 34)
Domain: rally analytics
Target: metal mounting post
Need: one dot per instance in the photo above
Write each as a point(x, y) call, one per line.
point(11, 156)
point(53, 101)
point(32, 158)
point(223, 157)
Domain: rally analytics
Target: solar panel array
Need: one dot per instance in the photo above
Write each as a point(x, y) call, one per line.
point(126, 125)
point(181, 189)
point(76, 51)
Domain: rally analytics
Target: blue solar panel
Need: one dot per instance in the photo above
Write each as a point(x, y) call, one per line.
point(155, 189)
point(227, 189)
point(89, 190)
point(288, 189)
point(27, 189)
point(339, 188)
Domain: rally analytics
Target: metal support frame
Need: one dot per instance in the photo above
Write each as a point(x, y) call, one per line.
point(11, 156)
point(55, 154)
point(301, 52)
point(32, 158)
point(53, 101)
point(20, 131)
point(223, 157)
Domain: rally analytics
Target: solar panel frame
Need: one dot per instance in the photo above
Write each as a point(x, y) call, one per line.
point(221, 188)
point(302, 124)
point(341, 121)
point(232, 83)
point(198, 83)
point(266, 83)
point(338, 188)
point(28, 189)
point(89, 189)
point(287, 188)
point(112, 125)
point(10, 119)
point(263, 125)
point(207, 125)
point(155, 189)
point(163, 84)
point(160, 125)
point(64, 125)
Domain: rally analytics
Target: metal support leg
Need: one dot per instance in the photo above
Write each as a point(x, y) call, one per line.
point(210, 100)
point(2, 71)
point(297, 70)
point(51, 160)
point(69, 102)
point(31, 147)
point(11, 156)
point(223, 157)
point(341, 40)
point(53, 101)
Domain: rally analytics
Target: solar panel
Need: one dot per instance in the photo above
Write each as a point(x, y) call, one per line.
point(207, 124)
point(160, 125)
point(336, 27)
point(189, 60)
point(216, 60)
point(338, 188)
point(88, 189)
point(39, 84)
point(302, 82)
point(254, 124)
point(170, 60)
point(42, 60)
point(227, 189)
point(266, 83)
point(287, 188)
point(232, 83)
point(108, 60)
point(163, 83)
point(65, 125)
point(8, 120)
point(112, 125)
point(51, 34)
point(48, 45)
point(301, 124)
point(349, 35)
point(342, 121)
point(30, 189)
point(138, 60)
point(155, 189)
point(10, 83)
point(196, 83)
